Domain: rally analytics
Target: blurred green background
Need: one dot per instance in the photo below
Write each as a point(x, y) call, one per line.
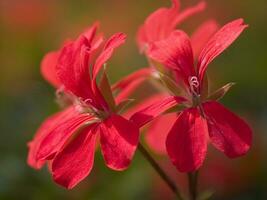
point(30, 28)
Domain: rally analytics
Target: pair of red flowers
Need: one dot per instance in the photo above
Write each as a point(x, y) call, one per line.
point(67, 139)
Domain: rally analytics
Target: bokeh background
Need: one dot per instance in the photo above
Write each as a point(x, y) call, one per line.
point(30, 28)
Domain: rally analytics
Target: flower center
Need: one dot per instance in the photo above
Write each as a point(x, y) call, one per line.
point(85, 106)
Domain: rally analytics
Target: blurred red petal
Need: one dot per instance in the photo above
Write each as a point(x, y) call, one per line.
point(186, 143)
point(175, 52)
point(144, 103)
point(188, 12)
point(75, 161)
point(57, 137)
point(73, 69)
point(47, 126)
point(147, 114)
point(114, 42)
point(201, 36)
point(119, 140)
point(218, 43)
point(129, 83)
point(158, 25)
point(228, 133)
point(48, 68)
point(157, 132)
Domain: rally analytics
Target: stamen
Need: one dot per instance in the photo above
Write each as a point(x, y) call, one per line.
point(85, 106)
point(194, 84)
point(156, 74)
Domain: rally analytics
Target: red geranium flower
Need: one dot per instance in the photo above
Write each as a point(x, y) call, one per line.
point(204, 119)
point(67, 139)
point(158, 26)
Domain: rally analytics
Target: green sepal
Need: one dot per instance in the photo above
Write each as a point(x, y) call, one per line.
point(206, 195)
point(79, 130)
point(218, 94)
point(158, 66)
point(123, 105)
point(105, 89)
point(175, 109)
point(205, 88)
point(170, 84)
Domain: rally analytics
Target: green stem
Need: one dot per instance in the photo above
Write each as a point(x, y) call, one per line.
point(192, 184)
point(160, 171)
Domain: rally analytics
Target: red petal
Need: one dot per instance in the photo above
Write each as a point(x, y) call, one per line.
point(114, 42)
point(148, 113)
point(158, 25)
point(75, 161)
point(218, 43)
point(188, 12)
point(73, 68)
point(157, 132)
point(129, 83)
point(119, 139)
point(174, 52)
point(228, 133)
point(202, 35)
point(144, 103)
point(186, 143)
point(90, 33)
point(57, 137)
point(48, 68)
point(47, 126)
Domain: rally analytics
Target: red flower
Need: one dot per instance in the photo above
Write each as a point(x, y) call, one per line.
point(67, 139)
point(163, 21)
point(204, 119)
point(128, 84)
point(158, 26)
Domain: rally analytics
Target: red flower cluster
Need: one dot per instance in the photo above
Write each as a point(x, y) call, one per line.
point(66, 140)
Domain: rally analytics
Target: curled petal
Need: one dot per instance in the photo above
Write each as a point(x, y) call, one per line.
point(129, 83)
point(158, 25)
point(73, 68)
point(47, 126)
point(218, 43)
point(114, 42)
point(188, 12)
point(228, 133)
point(90, 33)
point(144, 103)
point(57, 138)
point(186, 143)
point(48, 68)
point(139, 74)
point(119, 140)
point(75, 161)
point(158, 130)
point(175, 52)
point(202, 35)
point(147, 114)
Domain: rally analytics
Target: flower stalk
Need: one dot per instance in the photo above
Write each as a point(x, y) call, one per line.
point(192, 184)
point(160, 171)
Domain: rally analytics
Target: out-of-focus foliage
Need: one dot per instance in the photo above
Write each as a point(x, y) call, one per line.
point(30, 28)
